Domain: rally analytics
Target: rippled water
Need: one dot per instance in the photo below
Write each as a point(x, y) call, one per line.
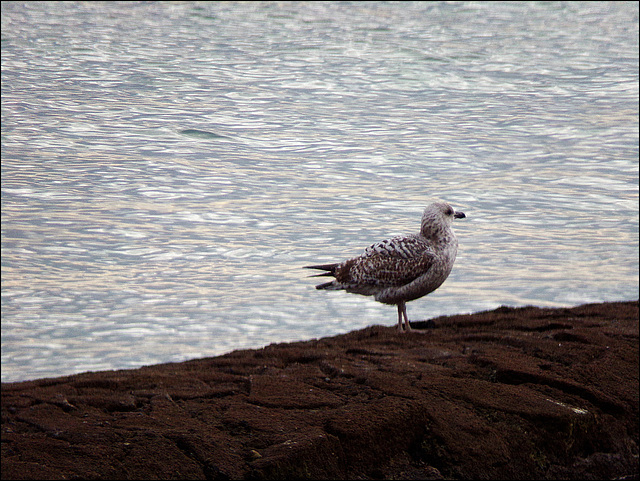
point(167, 168)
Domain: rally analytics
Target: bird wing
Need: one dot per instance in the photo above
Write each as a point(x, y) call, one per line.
point(392, 262)
point(403, 247)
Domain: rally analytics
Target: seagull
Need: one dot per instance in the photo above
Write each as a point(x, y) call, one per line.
point(403, 268)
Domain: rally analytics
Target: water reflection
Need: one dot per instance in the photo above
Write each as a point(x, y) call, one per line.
point(166, 176)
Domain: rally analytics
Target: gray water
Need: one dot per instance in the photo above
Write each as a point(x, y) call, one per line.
point(168, 168)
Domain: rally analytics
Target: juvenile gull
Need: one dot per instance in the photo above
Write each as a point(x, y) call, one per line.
point(402, 268)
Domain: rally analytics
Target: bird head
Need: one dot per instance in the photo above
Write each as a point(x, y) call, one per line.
point(437, 217)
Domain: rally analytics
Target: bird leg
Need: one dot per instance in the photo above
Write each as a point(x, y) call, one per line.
point(402, 312)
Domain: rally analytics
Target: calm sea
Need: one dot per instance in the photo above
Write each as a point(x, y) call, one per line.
point(168, 168)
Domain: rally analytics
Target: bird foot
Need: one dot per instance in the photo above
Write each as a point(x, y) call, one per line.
point(423, 326)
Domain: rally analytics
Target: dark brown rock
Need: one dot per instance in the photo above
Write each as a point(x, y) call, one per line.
point(523, 393)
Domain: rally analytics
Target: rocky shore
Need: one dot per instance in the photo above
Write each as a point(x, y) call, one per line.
point(514, 393)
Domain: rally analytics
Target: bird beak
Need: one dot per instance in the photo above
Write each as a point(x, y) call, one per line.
point(459, 215)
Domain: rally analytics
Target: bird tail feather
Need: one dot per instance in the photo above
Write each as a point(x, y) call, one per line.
point(330, 271)
point(329, 268)
point(324, 267)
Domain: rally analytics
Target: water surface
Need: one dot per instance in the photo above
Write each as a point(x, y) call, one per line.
point(168, 168)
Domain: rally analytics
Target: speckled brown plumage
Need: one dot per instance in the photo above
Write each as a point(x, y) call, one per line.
point(402, 268)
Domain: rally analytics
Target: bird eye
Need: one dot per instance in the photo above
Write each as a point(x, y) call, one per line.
point(449, 211)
